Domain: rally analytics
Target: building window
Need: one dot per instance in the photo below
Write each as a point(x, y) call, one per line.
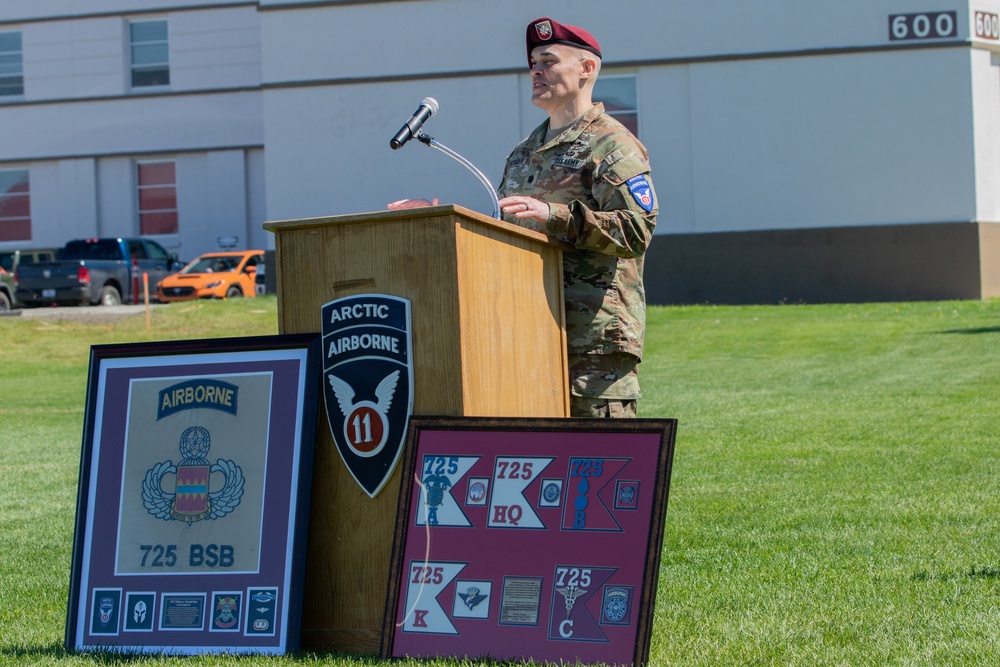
point(11, 65)
point(15, 205)
point(620, 99)
point(149, 53)
point(157, 197)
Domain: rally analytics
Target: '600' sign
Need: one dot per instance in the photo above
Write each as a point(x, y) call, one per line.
point(987, 26)
point(928, 25)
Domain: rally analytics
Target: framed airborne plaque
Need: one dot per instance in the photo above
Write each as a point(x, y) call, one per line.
point(529, 539)
point(192, 507)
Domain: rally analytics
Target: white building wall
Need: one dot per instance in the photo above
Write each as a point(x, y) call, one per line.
point(986, 119)
point(47, 211)
point(72, 59)
point(215, 48)
point(116, 197)
point(34, 10)
point(147, 123)
point(213, 196)
point(766, 115)
point(88, 56)
point(771, 115)
point(426, 37)
point(665, 127)
point(80, 129)
point(256, 236)
point(77, 188)
point(838, 140)
point(331, 150)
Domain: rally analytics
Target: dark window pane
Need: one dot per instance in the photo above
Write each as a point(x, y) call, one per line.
point(15, 180)
point(10, 63)
point(148, 31)
point(15, 230)
point(149, 54)
point(617, 92)
point(137, 249)
point(10, 41)
point(157, 173)
point(15, 206)
point(151, 77)
point(11, 66)
point(11, 86)
point(157, 199)
point(91, 249)
point(158, 223)
point(155, 251)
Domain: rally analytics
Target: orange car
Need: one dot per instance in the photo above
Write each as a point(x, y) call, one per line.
point(214, 275)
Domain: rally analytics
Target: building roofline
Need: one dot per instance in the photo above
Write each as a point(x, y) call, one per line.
point(163, 9)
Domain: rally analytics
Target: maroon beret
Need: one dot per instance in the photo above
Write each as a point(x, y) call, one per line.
point(546, 31)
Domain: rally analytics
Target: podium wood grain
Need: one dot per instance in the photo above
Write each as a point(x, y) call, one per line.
point(488, 340)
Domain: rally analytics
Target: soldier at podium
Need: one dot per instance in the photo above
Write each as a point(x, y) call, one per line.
point(582, 177)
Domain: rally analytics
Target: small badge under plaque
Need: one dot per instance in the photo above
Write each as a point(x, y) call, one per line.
point(368, 383)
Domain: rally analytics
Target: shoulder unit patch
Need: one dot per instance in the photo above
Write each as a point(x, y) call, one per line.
point(641, 192)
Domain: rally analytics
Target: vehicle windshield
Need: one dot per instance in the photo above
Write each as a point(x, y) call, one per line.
point(98, 250)
point(212, 264)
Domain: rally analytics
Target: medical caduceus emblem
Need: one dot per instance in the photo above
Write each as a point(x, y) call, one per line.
point(368, 380)
point(193, 498)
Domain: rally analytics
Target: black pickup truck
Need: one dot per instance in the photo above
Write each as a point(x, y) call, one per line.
point(94, 271)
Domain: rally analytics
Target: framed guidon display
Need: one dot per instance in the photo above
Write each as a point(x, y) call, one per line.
point(529, 539)
point(193, 498)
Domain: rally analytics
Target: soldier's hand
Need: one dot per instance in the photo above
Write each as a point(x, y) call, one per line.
point(525, 207)
point(411, 203)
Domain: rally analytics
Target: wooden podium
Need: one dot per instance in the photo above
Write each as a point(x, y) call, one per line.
point(488, 340)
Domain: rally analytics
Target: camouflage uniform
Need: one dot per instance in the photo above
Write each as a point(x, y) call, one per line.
point(595, 178)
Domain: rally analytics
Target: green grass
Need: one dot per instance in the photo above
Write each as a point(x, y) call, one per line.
point(834, 497)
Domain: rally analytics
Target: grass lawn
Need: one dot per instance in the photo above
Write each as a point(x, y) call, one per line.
point(833, 500)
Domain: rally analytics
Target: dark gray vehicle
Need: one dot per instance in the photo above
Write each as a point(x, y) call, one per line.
point(9, 261)
point(94, 271)
point(6, 290)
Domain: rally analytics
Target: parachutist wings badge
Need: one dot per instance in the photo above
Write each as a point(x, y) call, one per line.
point(192, 499)
point(369, 381)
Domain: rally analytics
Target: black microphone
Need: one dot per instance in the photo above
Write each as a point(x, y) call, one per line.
point(428, 107)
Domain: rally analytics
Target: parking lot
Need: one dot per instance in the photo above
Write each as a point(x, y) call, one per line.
point(79, 313)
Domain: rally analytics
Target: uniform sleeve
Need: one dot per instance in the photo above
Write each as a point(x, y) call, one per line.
point(622, 222)
point(502, 188)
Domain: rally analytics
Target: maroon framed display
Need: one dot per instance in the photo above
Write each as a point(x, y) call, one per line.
point(193, 497)
point(529, 539)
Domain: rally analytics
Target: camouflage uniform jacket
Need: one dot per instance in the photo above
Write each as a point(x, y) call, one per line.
point(595, 178)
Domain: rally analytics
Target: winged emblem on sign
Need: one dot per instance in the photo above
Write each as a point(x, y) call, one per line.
point(368, 391)
point(383, 392)
point(365, 436)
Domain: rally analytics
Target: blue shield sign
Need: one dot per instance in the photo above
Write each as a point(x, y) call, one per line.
point(368, 383)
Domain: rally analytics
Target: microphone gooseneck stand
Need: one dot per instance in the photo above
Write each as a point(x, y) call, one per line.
point(431, 141)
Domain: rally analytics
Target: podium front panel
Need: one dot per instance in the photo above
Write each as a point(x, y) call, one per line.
point(488, 340)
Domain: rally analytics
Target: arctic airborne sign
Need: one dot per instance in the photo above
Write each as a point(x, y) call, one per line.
point(368, 383)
